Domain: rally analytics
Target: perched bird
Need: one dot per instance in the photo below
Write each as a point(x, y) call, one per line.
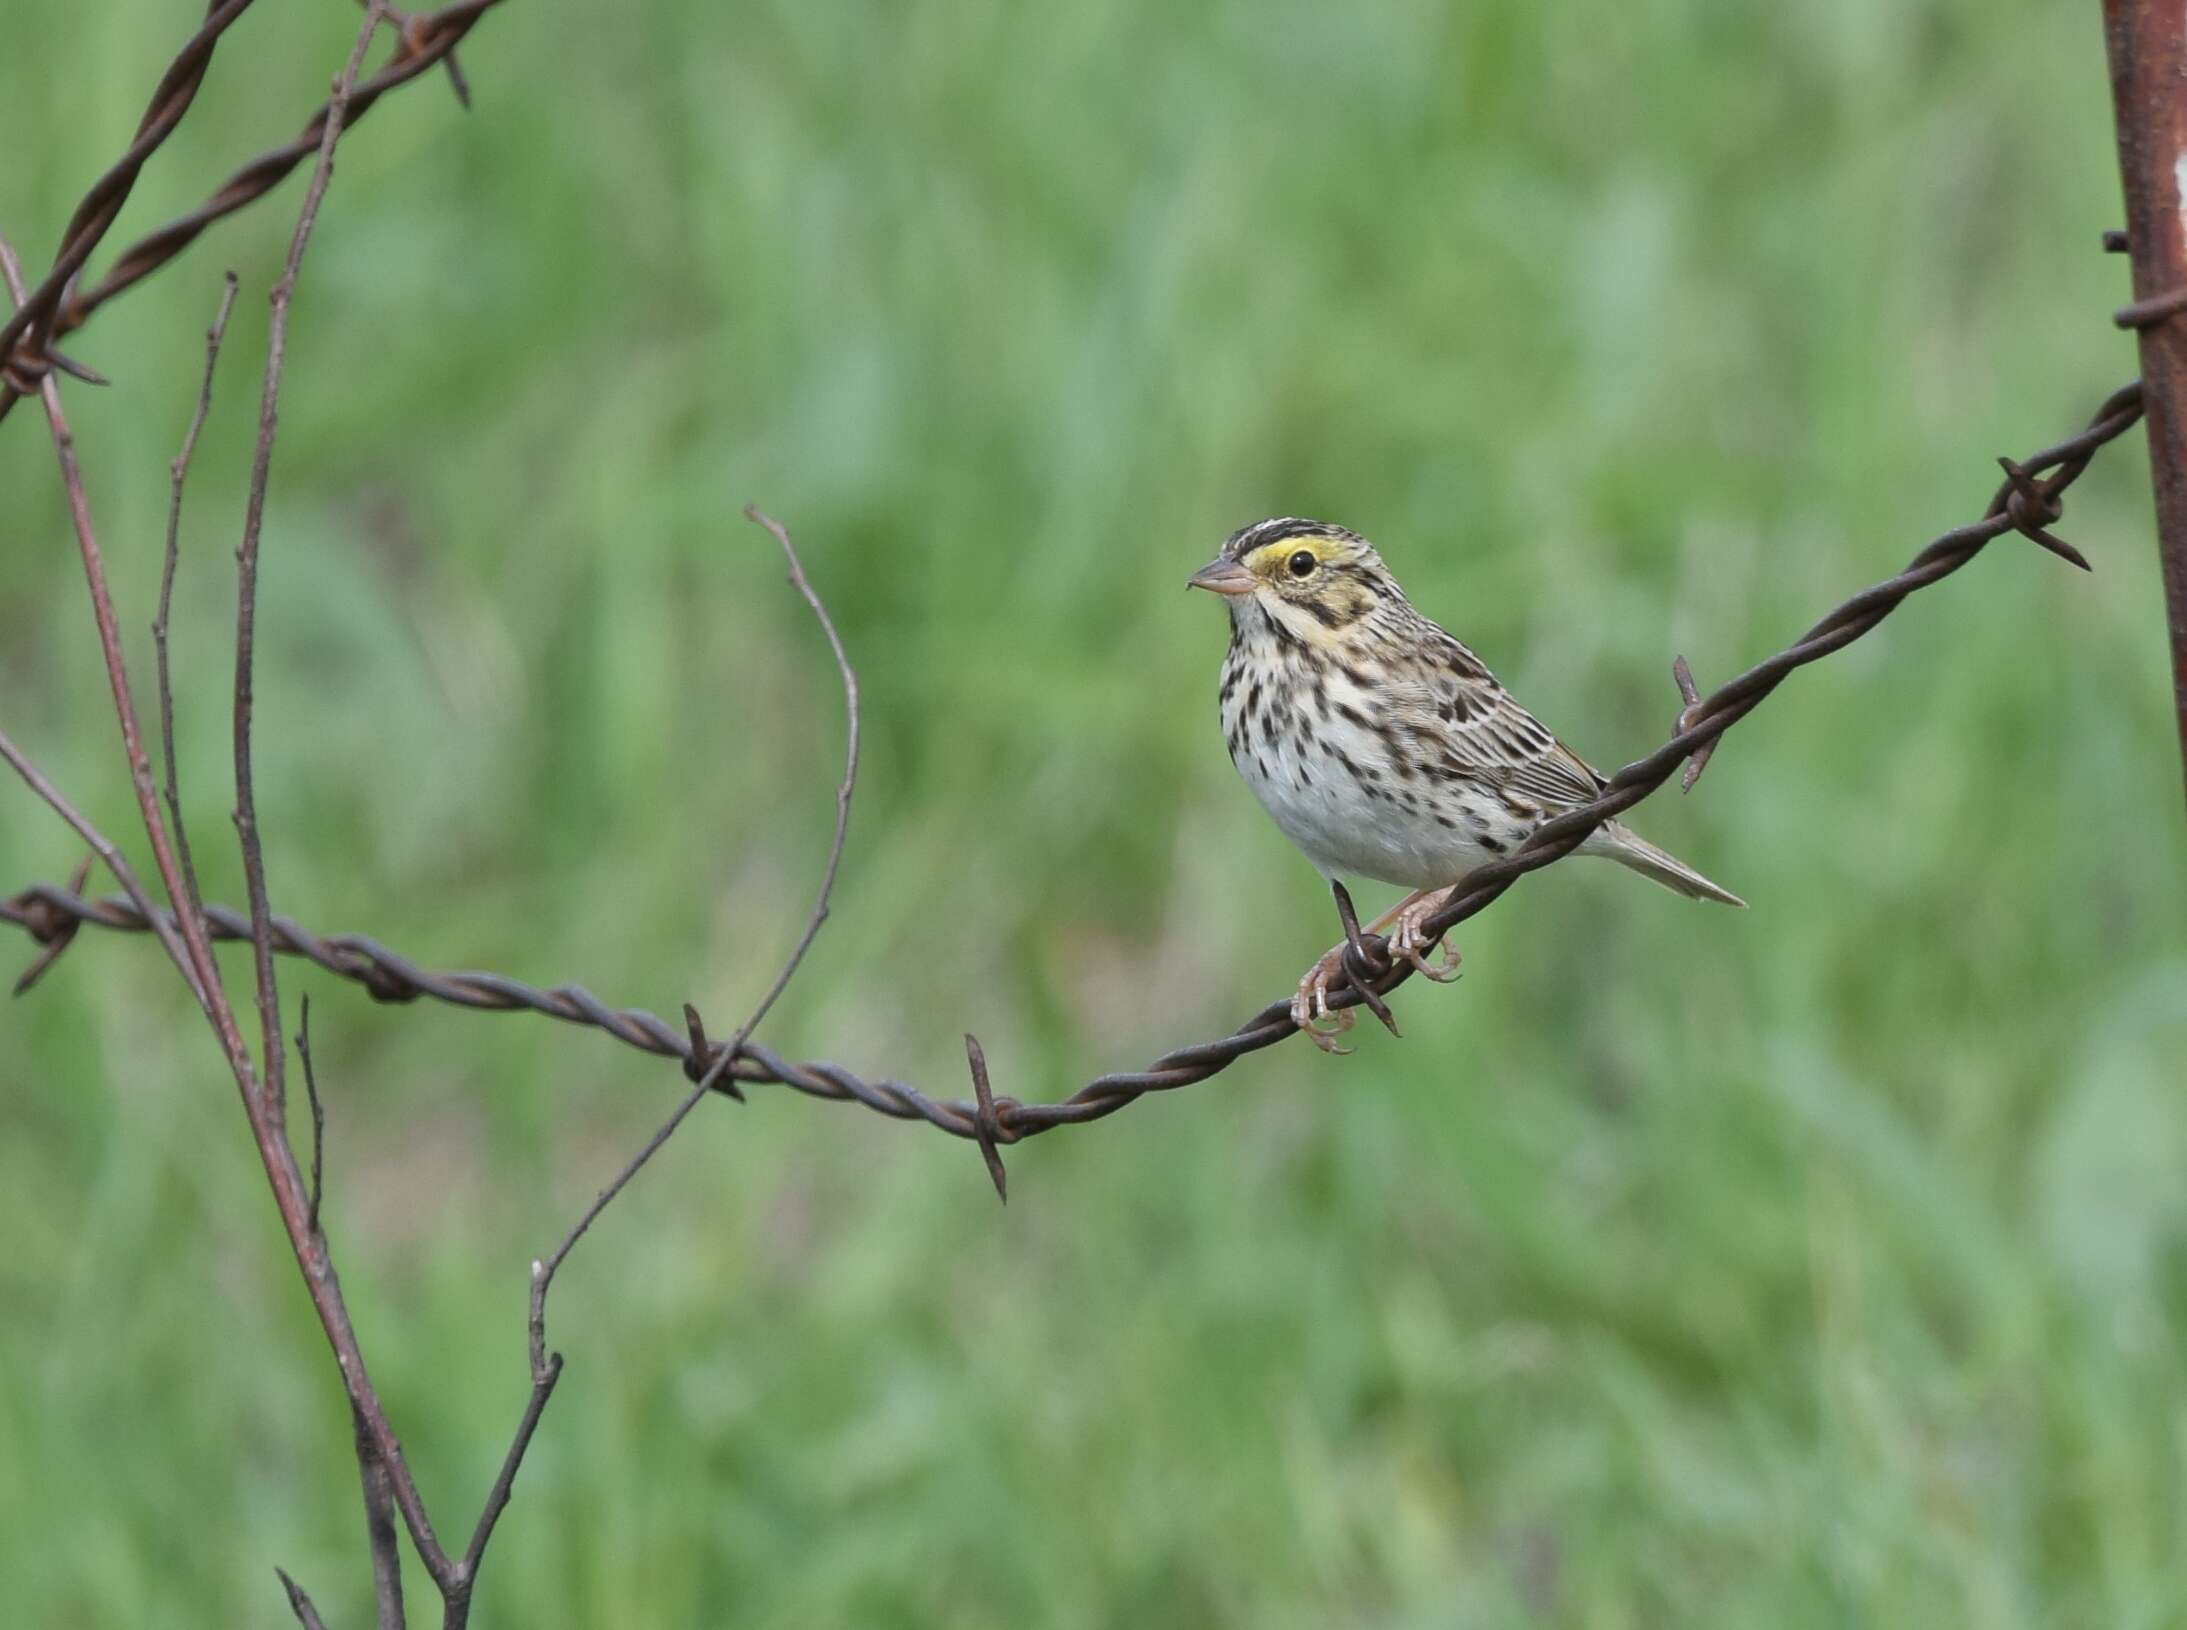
point(1381, 745)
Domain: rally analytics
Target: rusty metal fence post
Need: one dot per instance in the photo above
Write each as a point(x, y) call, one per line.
point(2147, 42)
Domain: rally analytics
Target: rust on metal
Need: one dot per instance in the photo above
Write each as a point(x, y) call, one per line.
point(59, 305)
point(2147, 43)
point(2029, 497)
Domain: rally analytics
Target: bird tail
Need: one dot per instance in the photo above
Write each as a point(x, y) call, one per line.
point(1629, 848)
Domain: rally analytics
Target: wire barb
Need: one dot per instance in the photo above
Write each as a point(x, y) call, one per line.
point(25, 371)
point(27, 334)
point(416, 35)
point(2152, 311)
point(365, 961)
point(1688, 717)
point(985, 1126)
point(705, 1063)
point(2031, 507)
point(53, 931)
point(61, 304)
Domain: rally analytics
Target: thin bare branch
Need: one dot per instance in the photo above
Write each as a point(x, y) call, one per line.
point(497, 1498)
point(300, 1604)
point(273, 1077)
point(844, 788)
point(29, 362)
point(275, 1154)
point(318, 1118)
point(266, 1107)
point(712, 1070)
point(177, 473)
point(100, 846)
point(378, 1487)
point(546, 1368)
point(544, 1269)
point(197, 964)
point(379, 1509)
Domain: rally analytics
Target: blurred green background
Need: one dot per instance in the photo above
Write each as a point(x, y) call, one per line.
point(1820, 1265)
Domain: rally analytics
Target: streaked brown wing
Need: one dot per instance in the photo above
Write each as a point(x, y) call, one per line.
point(1480, 730)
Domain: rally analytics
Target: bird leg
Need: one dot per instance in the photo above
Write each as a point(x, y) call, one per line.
point(1362, 964)
point(1354, 963)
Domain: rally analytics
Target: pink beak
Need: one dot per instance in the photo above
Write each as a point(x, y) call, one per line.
point(1222, 575)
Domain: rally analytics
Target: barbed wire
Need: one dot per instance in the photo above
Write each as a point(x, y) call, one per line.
point(2029, 501)
point(56, 307)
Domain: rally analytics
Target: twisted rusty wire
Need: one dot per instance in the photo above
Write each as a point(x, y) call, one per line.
point(171, 99)
point(56, 308)
point(2029, 501)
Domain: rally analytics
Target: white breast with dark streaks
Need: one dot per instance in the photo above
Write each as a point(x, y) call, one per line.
point(1334, 785)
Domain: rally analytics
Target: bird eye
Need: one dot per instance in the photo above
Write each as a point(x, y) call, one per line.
point(1302, 563)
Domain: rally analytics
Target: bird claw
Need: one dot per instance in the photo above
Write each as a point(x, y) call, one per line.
point(1411, 941)
point(1310, 1009)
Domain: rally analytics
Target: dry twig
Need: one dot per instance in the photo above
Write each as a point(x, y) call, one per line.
point(273, 1063)
point(546, 1367)
point(707, 1064)
point(275, 1152)
point(2028, 502)
point(178, 473)
point(192, 956)
point(299, 1603)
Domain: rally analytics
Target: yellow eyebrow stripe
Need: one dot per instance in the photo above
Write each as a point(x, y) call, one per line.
point(1271, 555)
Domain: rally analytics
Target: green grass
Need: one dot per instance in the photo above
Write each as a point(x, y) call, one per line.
point(1824, 1264)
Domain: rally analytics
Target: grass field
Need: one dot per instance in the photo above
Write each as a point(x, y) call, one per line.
point(1819, 1265)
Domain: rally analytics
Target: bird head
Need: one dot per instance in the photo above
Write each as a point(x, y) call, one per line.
point(1309, 579)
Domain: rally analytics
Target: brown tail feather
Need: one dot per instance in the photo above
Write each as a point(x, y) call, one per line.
point(1628, 848)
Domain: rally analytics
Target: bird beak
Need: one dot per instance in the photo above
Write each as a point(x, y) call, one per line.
point(1222, 575)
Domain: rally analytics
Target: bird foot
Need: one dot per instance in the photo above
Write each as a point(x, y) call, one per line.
point(1355, 963)
point(1343, 964)
point(1411, 941)
point(1310, 1009)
